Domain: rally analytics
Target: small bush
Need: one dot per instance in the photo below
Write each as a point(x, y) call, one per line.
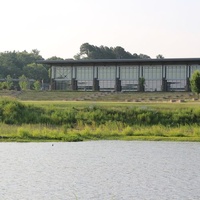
point(128, 131)
point(23, 133)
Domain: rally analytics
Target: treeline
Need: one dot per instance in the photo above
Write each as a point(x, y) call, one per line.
point(20, 70)
point(15, 64)
point(88, 51)
point(18, 63)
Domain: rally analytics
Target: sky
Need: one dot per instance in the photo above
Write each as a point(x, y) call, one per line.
point(59, 27)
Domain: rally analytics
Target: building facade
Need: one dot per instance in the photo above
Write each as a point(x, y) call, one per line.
point(123, 74)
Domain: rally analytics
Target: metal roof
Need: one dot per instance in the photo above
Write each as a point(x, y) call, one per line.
point(165, 61)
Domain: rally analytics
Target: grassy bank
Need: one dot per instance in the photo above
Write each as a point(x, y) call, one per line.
point(109, 131)
point(80, 121)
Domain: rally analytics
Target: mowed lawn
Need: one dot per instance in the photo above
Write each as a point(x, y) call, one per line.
point(100, 96)
point(64, 100)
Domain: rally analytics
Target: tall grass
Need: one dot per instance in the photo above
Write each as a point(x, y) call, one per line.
point(58, 133)
point(14, 112)
point(19, 121)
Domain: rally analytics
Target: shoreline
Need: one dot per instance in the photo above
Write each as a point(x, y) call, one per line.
point(42, 133)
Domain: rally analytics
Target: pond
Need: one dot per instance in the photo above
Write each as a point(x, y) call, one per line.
point(110, 170)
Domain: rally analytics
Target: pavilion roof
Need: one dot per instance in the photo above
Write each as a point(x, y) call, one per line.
point(86, 62)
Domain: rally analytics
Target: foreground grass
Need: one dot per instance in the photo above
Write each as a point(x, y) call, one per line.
point(109, 131)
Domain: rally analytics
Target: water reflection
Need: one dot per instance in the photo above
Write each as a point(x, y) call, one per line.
point(100, 170)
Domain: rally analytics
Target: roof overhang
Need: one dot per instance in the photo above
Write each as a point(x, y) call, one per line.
point(100, 62)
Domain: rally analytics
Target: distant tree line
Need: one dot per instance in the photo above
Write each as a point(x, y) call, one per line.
point(16, 65)
point(20, 67)
point(88, 51)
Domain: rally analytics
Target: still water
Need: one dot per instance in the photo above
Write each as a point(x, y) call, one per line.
point(104, 170)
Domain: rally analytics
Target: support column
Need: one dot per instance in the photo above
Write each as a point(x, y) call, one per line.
point(53, 84)
point(164, 85)
point(187, 87)
point(74, 84)
point(188, 74)
point(52, 76)
point(118, 87)
point(95, 84)
point(141, 84)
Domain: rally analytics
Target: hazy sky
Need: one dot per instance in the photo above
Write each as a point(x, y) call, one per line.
point(59, 27)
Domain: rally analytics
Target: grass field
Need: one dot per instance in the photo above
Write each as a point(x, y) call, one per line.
point(57, 100)
point(101, 96)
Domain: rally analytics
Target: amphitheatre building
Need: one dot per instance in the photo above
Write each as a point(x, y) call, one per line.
point(122, 74)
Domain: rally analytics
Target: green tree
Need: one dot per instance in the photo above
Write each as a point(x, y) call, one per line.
point(25, 58)
point(9, 82)
point(23, 82)
point(36, 72)
point(13, 62)
point(3, 71)
point(195, 82)
point(159, 56)
point(9, 59)
point(2, 85)
point(120, 53)
point(144, 56)
point(55, 58)
point(36, 85)
point(88, 51)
